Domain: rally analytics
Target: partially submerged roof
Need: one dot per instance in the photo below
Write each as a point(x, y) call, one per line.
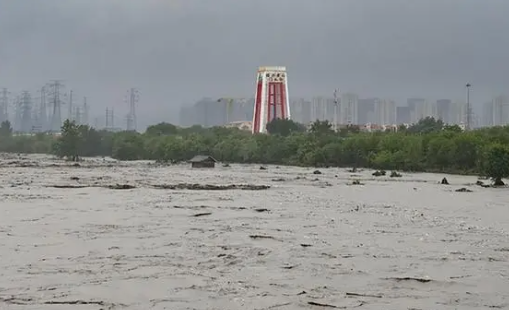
point(202, 158)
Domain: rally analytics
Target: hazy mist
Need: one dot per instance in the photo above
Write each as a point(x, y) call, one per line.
point(176, 52)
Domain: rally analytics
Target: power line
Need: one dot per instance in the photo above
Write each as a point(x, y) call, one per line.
point(70, 113)
point(109, 119)
point(4, 104)
point(84, 119)
point(56, 116)
point(25, 112)
point(43, 112)
point(133, 98)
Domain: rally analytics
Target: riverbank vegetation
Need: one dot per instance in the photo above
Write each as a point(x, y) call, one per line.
point(428, 146)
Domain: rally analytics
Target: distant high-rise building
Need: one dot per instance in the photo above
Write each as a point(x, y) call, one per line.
point(186, 117)
point(499, 111)
point(318, 108)
point(412, 102)
point(487, 114)
point(246, 108)
point(209, 112)
point(348, 109)
point(458, 113)
point(307, 111)
point(322, 109)
point(366, 111)
point(298, 109)
point(385, 112)
point(403, 115)
point(422, 108)
point(444, 109)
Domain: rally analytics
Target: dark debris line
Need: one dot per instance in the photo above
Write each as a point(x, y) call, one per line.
point(30, 301)
point(180, 186)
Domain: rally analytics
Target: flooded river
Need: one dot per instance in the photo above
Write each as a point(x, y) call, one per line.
point(311, 241)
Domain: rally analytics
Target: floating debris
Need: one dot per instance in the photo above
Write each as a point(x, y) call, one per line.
point(262, 210)
point(314, 303)
point(379, 173)
point(356, 182)
point(363, 295)
point(121, 186)
point(261, 237)
point(395, 174)
point(201, 214)
point(278, 180)
point(421, 280)
point(463, 190)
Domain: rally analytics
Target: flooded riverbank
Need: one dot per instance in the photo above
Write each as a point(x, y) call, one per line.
point(307, 242)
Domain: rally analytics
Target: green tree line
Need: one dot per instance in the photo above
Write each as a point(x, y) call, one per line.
point(428, 146)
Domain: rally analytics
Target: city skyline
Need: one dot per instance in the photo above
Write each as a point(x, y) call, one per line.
point(176, 52)
point(32, 110)
point(377, 111)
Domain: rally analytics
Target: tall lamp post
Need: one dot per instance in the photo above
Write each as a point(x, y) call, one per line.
point(469, 113)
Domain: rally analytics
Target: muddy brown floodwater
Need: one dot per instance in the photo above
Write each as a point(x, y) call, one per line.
point(309, 242)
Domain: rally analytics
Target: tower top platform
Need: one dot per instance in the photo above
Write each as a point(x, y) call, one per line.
point(271, 68)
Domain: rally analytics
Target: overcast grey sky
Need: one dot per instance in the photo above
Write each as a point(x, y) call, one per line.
point(177, 51)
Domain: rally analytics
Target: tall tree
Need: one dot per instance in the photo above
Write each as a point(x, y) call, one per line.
point(427, 125)
point(496, 163)
point(284, 127)
point(162, 129)
point(5, 129)
point(321, 127)
point(70, 142)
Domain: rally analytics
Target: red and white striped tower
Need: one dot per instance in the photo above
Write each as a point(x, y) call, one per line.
point(271, 98)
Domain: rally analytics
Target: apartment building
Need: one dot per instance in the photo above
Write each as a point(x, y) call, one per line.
point(349, 109)
point(385, 112)
point(496, 112)
point(421, 109)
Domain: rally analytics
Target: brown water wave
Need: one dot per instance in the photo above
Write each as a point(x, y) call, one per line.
point(308, 242)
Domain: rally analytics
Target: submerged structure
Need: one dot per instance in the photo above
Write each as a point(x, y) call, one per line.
point(203, 161)
point(271, 98)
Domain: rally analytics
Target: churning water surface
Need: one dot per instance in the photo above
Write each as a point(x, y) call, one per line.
point(73, 239)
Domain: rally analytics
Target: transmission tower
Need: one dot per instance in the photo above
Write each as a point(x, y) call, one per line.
point(43, 112)
point(70, 113)
point(17, 114)
point(55, 87)
point(25, 112)
point(77, 115)
point(133, 98)
point(4, 104)
point(96, 122)
point(109, 120)
point(84, 118)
